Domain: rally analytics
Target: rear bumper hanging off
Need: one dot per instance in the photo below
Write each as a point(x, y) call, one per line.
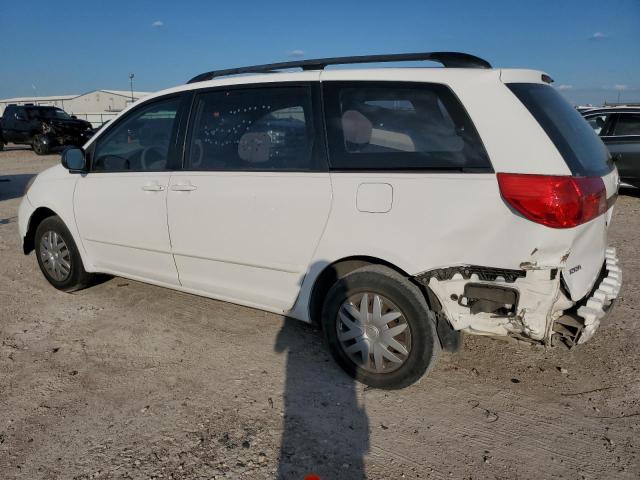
point(599, 303)
point(526, 304)
point(579, 324)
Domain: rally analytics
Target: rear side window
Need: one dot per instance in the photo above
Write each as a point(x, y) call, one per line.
point(627, 124)
point(264, 129)
point(400, 126)
point(577, 142)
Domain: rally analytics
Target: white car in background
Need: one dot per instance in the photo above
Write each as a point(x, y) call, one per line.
point(396, 207)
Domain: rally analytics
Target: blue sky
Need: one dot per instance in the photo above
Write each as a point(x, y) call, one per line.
point(590, 48)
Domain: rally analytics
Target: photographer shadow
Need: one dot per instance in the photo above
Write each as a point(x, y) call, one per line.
point(326, 429)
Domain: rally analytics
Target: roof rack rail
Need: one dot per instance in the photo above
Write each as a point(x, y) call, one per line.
point(447, 59)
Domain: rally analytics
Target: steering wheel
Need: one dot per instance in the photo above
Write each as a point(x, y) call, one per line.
point(147, 161)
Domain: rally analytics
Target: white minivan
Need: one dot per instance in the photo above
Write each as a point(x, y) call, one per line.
point(395, 207)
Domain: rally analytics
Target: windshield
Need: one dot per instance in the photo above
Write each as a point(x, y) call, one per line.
point(48, 112)
point(579, 145)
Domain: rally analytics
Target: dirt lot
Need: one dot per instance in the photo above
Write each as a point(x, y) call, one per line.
point(126, 380)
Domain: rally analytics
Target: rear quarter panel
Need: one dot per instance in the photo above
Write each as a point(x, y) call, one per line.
point(441, 219)
point(437, 220)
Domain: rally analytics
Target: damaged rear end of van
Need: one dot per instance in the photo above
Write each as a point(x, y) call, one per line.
point(547, 273)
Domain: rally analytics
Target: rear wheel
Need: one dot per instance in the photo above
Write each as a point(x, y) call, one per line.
point(379, 328)
point(41, 144)
point(58, 256)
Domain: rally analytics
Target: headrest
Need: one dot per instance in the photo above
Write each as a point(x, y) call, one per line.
point(356, 127)
point(254, 147)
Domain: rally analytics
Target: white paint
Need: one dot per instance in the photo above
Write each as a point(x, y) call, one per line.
point(123, 226)
point(248, 236)
point(374, 197)
point(261, 239)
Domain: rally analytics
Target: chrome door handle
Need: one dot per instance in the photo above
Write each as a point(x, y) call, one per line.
point(153, 187)
point(183, 187)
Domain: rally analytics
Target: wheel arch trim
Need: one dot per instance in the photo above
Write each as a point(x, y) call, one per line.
point(322, 275)
point(36, 217)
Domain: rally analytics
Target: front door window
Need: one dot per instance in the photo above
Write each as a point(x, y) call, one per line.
point(140, 142)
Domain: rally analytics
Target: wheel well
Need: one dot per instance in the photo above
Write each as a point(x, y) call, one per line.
point(38, 216)
point(335, 271)
point(450, 339)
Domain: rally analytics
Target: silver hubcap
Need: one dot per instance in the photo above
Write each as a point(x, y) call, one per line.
point(55, 256)
point(373, 332)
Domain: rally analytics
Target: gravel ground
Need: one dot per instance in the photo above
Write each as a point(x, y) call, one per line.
point(127, 380)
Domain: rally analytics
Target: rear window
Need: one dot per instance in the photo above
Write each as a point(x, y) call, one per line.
point(579, 145)
point(400, 126)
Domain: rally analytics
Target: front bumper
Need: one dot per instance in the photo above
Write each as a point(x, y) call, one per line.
point(598, 304)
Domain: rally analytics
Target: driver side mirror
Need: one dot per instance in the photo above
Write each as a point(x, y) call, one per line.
point(73, 159)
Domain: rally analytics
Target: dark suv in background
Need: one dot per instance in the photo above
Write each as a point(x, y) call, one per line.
point(619, 129)
point(42, 128)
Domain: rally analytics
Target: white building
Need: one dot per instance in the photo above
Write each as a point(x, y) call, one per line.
point(97, 106)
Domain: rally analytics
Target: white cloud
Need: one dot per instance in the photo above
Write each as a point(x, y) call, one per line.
point(598, 36)
point(564, 87)
point(620, 87)
point(157, 24)
point(296, 53)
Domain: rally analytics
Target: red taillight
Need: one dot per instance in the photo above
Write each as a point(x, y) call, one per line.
point(554, 201)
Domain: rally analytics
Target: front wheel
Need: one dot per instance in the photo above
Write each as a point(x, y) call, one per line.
point(58, 256)
point(41, 144)
point(379, 328)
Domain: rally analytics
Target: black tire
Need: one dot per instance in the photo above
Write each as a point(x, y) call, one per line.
point(41, 144)
point(77, 277)
point(1, 145)
point(407, 297)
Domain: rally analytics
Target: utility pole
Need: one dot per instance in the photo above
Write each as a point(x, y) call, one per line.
point(131, 75)
point(620, 89)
